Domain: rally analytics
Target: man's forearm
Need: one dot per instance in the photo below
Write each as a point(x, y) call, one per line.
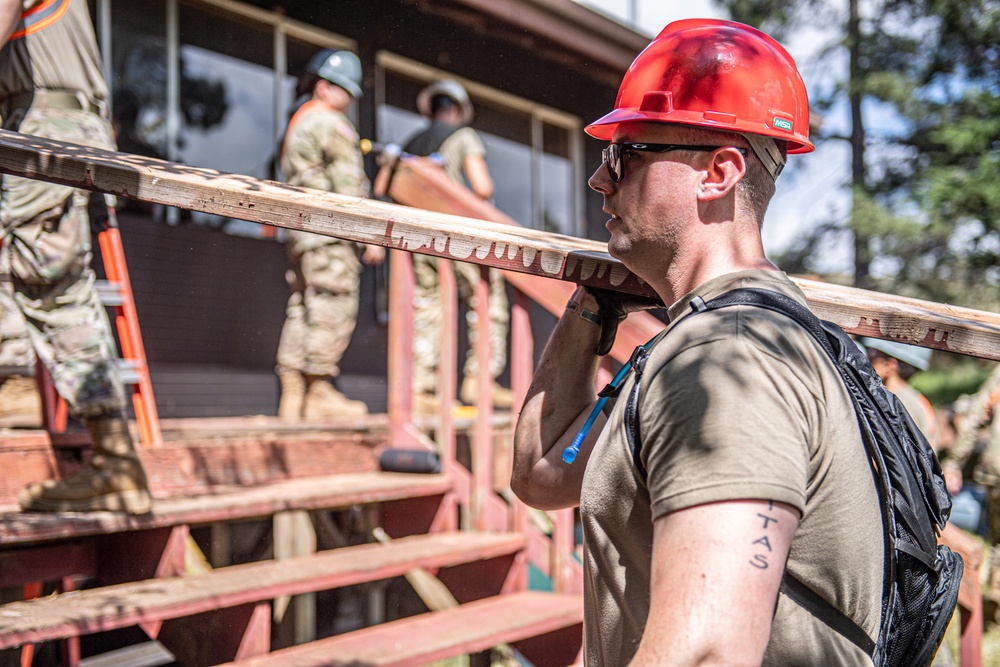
point(10, 12)
point(561, 394)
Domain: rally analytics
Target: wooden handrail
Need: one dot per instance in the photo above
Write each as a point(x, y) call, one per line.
point(533, 252)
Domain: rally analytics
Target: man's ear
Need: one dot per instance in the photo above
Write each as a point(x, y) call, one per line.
point(725, 168)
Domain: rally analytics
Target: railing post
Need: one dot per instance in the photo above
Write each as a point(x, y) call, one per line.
point(400, 345)
point(482, 450)
point(522, 363)
point(446, 382)
point(562, 549)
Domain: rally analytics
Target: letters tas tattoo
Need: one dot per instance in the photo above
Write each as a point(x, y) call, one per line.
point(763, 543)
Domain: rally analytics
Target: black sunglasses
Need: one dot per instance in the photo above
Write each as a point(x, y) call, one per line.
point(612, 155)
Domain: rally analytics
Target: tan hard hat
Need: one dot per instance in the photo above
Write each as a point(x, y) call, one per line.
point(449, 88)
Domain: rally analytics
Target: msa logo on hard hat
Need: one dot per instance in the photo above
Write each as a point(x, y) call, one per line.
point(782, 124)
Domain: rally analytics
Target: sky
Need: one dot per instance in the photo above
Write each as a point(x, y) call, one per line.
point(809, 190)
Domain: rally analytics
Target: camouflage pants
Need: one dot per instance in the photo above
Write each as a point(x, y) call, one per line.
point(15, 346)
point(46, 234)
point(427, 320)
point(323, 309)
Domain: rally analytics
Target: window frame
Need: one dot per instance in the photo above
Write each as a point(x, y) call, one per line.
point(539, 114)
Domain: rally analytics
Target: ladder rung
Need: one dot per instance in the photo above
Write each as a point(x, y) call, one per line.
point(109, 293)
point(129, 371)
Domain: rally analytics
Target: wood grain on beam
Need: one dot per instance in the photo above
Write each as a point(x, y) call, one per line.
point(533, 252)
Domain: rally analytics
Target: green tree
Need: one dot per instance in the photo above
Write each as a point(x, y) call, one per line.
point(924, 179)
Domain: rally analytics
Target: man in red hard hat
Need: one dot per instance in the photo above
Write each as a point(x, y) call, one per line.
point(746, 457)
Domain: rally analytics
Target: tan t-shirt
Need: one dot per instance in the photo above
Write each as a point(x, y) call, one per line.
point(739, 403)
point(460, 145)
point(59, 52)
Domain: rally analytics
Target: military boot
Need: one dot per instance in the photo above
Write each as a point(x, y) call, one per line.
point(20, 403)
point(113, 480)
point(502, 397)
point(293, 394)
point(323, 401)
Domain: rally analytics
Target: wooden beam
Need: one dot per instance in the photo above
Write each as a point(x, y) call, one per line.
point(533, 252)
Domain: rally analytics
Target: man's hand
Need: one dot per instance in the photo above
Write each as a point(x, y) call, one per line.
point(613, 307)
point(373, 255)
point(952, 480)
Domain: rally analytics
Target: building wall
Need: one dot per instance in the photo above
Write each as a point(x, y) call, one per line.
point(211, 293)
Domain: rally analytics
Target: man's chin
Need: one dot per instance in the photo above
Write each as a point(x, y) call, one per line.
point(619, 249)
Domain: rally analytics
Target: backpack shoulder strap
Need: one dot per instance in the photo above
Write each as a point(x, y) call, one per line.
point(430, 140)
point(791, 586)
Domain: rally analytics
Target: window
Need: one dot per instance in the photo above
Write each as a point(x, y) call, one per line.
point(533, 152)
point(207, 83)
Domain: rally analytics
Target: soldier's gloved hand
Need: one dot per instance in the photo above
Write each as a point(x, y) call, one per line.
point(613, 307)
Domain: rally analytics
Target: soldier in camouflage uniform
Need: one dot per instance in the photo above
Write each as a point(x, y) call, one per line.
point(448, 106)
point(321, 151)
point(20, 403)
point(975, 453)
point(51, 86)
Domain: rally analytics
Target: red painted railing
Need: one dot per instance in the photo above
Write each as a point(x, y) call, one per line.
point(474, 489)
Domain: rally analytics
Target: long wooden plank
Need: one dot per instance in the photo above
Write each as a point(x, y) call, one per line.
point(527, 251)
point(124, 605)
point(421, 183)
point(419, 640)
point(225, 505)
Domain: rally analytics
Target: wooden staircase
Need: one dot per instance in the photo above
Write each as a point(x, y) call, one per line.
point(136, 571)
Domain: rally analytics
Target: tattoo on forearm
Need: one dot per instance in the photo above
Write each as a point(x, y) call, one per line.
point(763, 543)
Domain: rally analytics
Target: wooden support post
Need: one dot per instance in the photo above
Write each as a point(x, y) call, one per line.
point(377, 589)
point(294, 535)
point(447, 390)
point(401, 282)
point(522, 364)
point(562, 549)
point(220, 551)
point(482, 438)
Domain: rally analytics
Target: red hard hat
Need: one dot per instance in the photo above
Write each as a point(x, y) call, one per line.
point(719, 75)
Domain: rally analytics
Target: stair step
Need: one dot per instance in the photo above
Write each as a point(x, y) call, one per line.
point(309, 493)
point(124, 605)
point(418, 640)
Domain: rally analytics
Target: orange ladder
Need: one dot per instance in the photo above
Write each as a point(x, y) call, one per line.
point(115, 292)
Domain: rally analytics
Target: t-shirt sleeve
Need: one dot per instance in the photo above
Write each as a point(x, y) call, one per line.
point(471, 143)
point(725, 420)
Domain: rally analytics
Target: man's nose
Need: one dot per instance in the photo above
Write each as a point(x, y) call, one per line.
point(599, 181)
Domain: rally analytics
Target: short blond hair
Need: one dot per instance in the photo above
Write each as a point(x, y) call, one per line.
point(757, 187)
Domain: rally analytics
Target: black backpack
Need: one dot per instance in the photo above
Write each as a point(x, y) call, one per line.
point(921, 579)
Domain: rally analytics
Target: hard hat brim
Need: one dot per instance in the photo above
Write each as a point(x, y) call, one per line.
point(604, 127)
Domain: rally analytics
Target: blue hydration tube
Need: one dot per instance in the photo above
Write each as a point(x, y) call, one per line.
point(570, 453)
